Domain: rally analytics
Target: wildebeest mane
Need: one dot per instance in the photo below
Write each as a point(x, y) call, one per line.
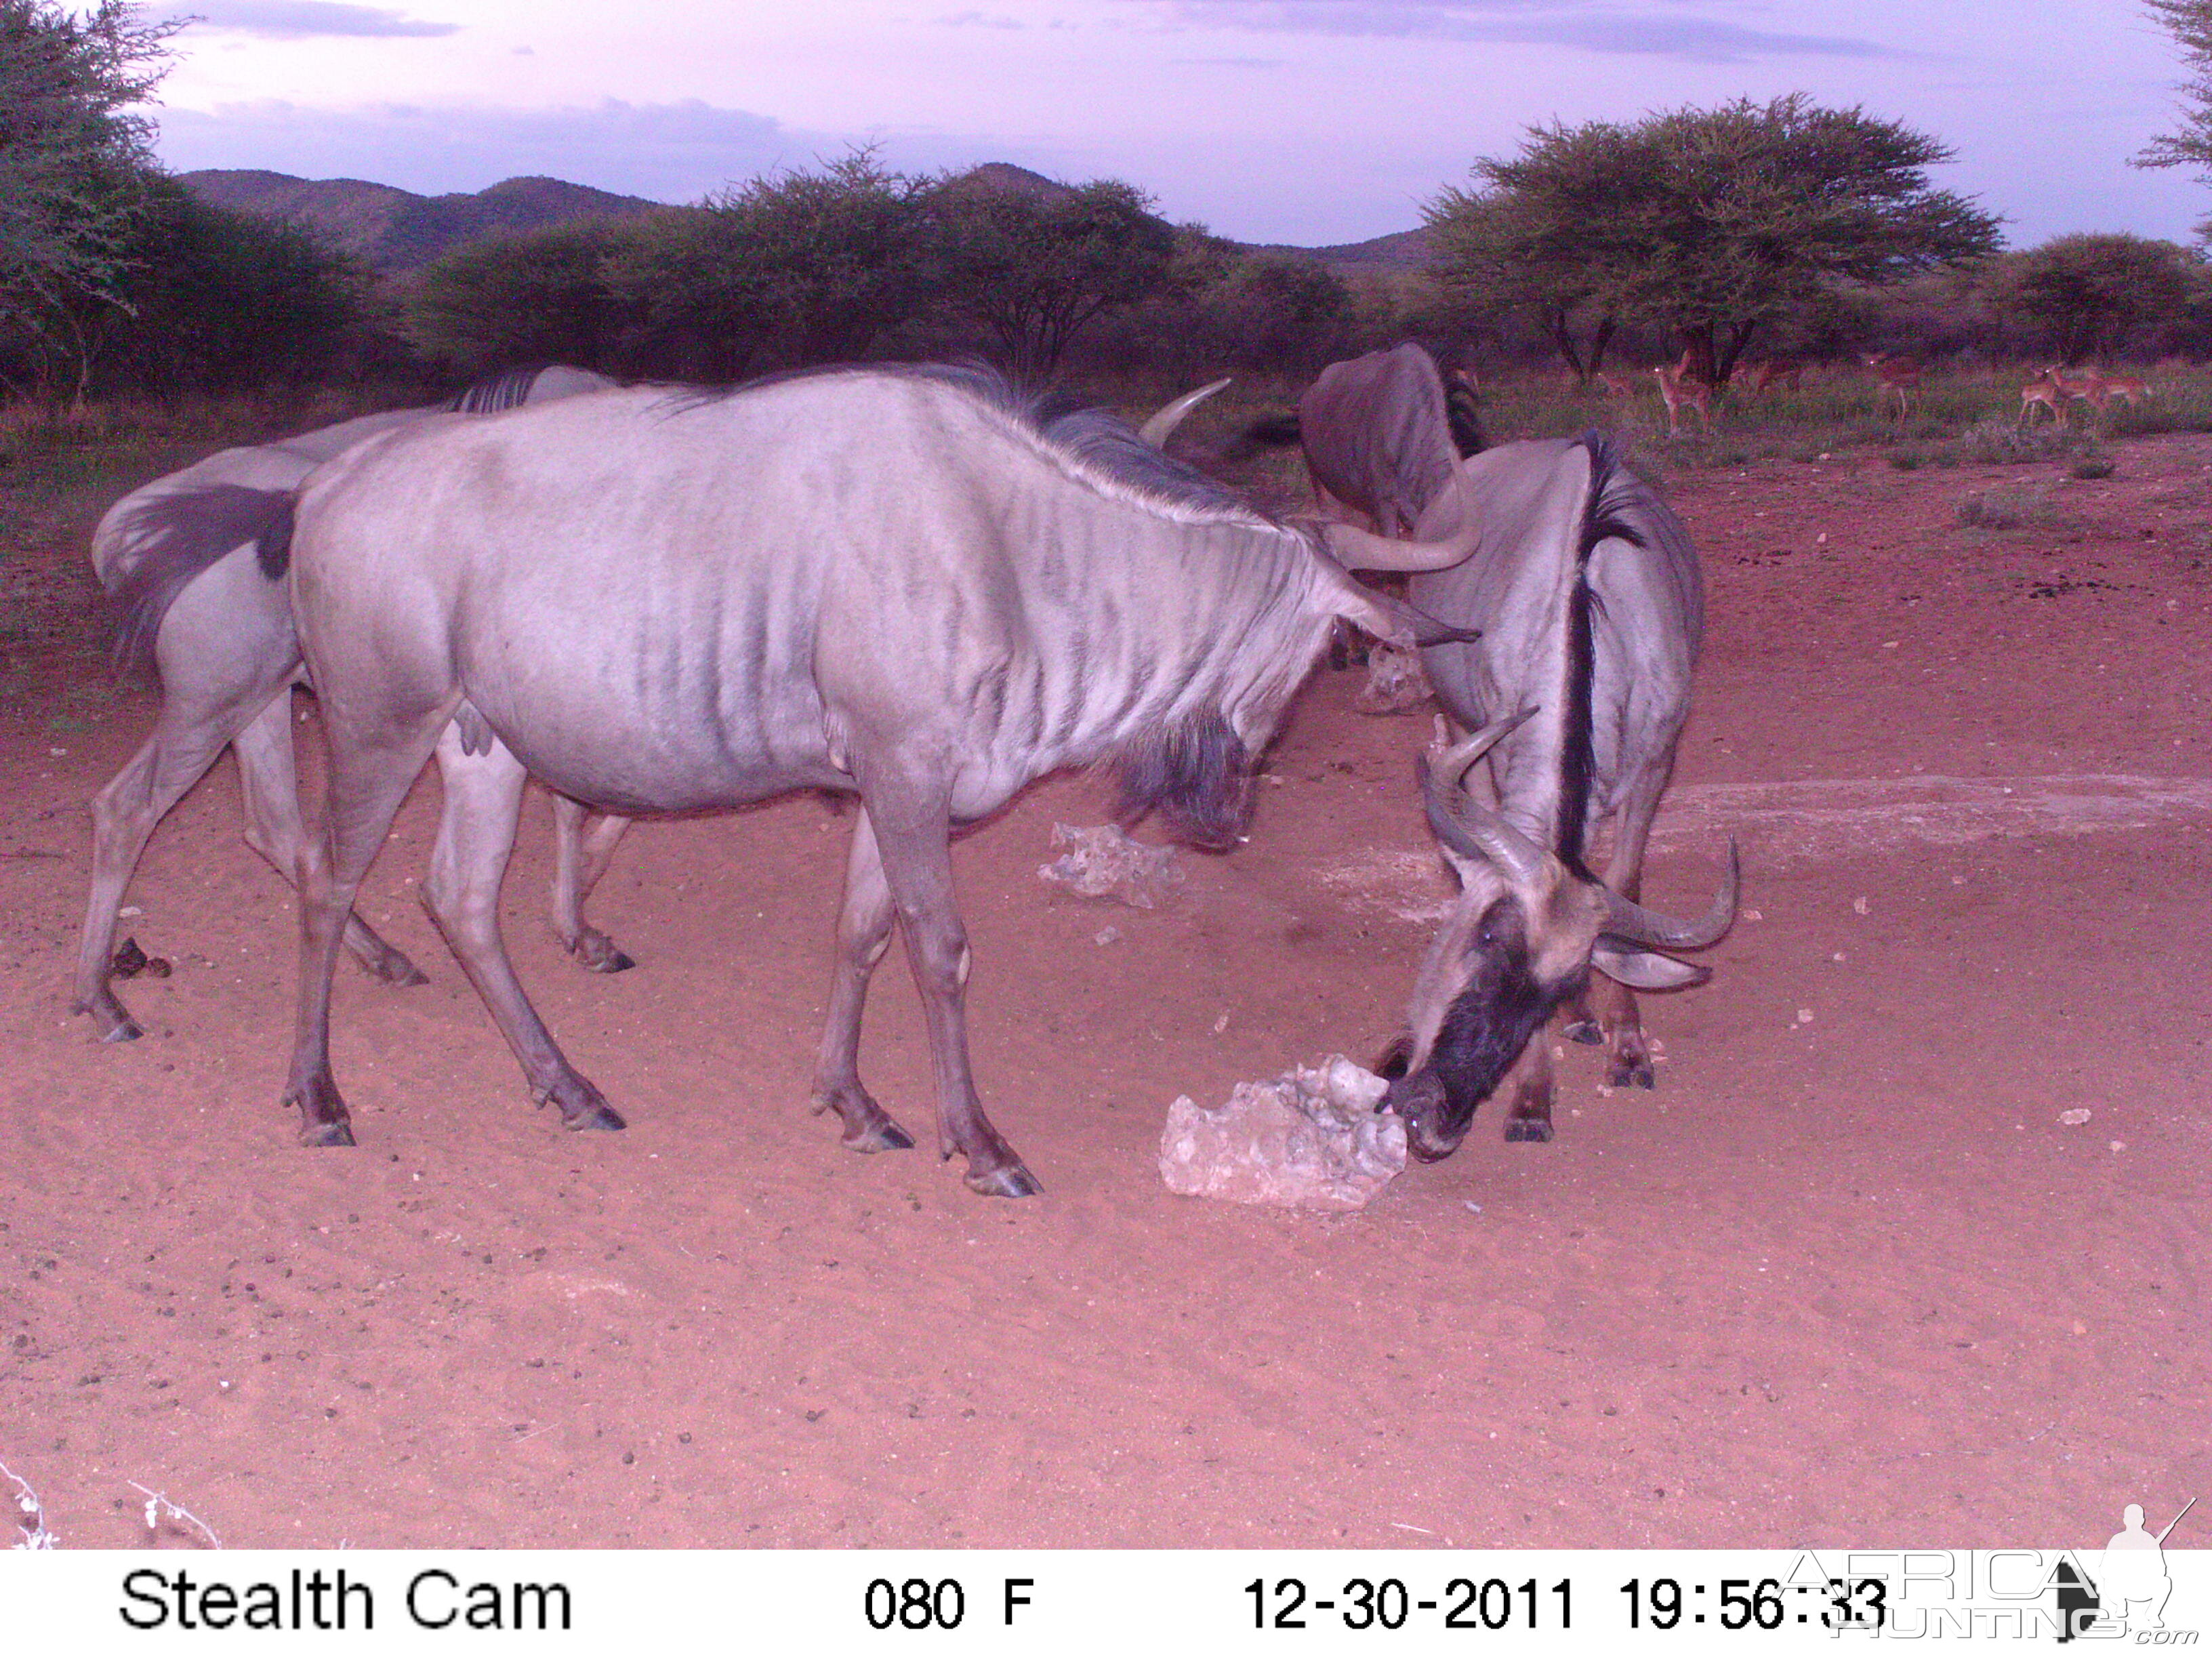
point(1611, 485)
point(509, 388)
point(1098, 441)
point(180, 535)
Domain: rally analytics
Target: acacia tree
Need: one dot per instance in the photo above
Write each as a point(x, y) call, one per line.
point(799, 269)
point(73, 158)
point(2189, 21)
point(1712, 223)
point(528, 297)
point(1036, 266)
point(2089, 292)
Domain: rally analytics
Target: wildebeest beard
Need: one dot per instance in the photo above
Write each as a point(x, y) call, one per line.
point(1484, 1032)
point(1197, 777)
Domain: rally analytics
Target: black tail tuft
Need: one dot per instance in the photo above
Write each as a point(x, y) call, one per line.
point(1268, 432)
point(180, 535)
point(1465, 422)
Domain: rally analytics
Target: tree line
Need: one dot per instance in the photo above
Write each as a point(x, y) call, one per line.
point(1781, 228)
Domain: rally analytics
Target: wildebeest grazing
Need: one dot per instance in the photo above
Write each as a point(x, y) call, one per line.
point(1589, 602)
point(904, 584)
point(1381, 436)
point(178, 557)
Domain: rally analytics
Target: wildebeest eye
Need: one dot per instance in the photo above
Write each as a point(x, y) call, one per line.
point(1498, 926)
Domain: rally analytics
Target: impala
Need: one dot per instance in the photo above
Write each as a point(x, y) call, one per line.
point(1897, 375)
point(1680, 390)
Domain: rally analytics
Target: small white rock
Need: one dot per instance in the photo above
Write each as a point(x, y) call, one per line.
point(2075, 1118)
point(1859, 904)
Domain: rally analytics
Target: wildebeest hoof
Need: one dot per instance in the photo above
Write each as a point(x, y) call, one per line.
point(884, 1137)
point(327, 1135)
point(1008, 1180)
point(1527, 1128)
point(392, 968)
point(1635, 1070)
point(581, 1106)
point(598, 954)
point(116, 1027)
point(1585, 1032)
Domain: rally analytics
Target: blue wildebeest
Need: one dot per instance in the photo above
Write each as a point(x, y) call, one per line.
point(902, 583)
point(1382, 437)
point(1589, 599)
point(178, 557)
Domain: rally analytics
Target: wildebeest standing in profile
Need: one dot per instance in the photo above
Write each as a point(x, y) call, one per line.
point(178, 555)
point(902, 584)
point(1589, 599)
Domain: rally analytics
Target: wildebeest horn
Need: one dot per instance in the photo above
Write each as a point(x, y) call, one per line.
point(1631, 921)
point(1468, 829)
point(1361, 549)
point(1157, 431)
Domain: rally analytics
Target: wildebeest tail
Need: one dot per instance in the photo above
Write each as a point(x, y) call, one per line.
point(176, 537)
point(1268, 432)
point(1464, 420)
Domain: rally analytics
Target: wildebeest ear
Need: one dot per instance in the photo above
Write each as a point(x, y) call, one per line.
point(1645, 970)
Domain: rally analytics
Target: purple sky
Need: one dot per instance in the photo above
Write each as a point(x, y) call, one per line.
point(1302, 121)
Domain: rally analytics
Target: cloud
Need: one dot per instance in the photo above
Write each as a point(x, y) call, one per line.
point(297, 20)
point(1528, 22)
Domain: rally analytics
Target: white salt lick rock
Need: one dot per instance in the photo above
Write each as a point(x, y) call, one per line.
point(1312, 1139)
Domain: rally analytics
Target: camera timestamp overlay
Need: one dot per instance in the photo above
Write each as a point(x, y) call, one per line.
point(2124, 1594)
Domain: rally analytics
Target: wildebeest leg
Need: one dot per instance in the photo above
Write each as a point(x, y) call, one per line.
point(476, 835)
point(191, 732)
point(863, 931)
point(369, 777)
point(912, 830)
point(1529, 1117)
point(270, 778)
point(581, 857)
point(1629, 1058)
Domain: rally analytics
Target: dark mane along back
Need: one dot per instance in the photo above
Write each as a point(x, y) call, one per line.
point(508, 389)
point(180, 535)
point(1097, 437)
point(1610, 485)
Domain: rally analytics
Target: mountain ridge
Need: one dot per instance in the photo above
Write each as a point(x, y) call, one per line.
point(397, 231)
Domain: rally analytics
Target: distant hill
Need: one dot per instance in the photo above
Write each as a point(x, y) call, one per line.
point(396, 230)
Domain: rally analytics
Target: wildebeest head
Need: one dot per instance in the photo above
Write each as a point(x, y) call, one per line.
point(1522, 937)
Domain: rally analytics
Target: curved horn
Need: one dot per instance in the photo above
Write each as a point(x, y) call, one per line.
point(1361, 549)
point(1157, 431)
point(1631, 921)
point(1466, 828)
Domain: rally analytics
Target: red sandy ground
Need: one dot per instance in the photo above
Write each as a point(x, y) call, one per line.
point(1844, 1278)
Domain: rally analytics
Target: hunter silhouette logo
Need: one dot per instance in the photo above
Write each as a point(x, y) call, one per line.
point(2130, 1590)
